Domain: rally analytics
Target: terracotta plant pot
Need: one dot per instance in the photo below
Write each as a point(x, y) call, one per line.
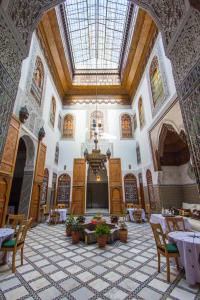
point(102, 239)
point(123, 235)
point(75, 237)
point(68, 231)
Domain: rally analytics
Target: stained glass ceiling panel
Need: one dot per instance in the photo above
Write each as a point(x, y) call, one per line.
point(96, 30)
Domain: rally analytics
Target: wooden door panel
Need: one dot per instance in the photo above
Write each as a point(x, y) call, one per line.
point(78, 204)
point(38, 180)
point(115, 184)
point(79, 172)
point(78, 189)
point(7, 163)
point(34, 210)
point(115, 175)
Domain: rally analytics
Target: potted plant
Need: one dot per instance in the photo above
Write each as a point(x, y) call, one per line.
point(123, 232)
point(69, 221)
point(75, 230)
point(102, 231)
point(80, 219)
point(114, 219)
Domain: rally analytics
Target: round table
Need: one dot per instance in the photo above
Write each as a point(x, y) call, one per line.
point(188, 244)
point(5, 234)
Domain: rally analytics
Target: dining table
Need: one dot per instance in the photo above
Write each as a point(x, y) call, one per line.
point(131, 210)
point(188, 244)
point(160, 219)
point(5, 234)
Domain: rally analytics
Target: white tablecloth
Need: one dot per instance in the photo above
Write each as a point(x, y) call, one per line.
point(63, 214)
point(131, 210)
point(188, 244)
point(5, 234)
point(159, 219)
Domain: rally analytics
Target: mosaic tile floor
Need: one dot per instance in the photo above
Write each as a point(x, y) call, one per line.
point(55, 269)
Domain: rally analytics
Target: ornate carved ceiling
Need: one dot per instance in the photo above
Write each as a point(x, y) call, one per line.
point(70, 89)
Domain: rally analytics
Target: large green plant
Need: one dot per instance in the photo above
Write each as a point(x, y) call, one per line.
point(70, 220)
point(102, 229)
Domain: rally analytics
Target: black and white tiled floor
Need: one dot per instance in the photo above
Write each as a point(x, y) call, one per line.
point(55, 269)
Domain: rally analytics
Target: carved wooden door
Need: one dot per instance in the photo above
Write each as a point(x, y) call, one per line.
point(38, 181)
point(78, 189)
point(115, 186)
point(7, 166)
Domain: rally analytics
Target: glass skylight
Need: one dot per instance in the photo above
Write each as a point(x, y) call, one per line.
point(96, 30)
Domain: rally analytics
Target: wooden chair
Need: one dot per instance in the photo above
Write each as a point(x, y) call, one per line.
point(137, 215)
point(175, 224)
point(163, 248)
point(14, 221)
point(17, 243)
point(148, 211)
point(45, 212)
point(54, 217)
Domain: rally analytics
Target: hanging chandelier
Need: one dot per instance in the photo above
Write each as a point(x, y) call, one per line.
point(96, 159)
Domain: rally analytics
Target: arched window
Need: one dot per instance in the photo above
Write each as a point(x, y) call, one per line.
point(96, 121)
point(57, 153)
point(126, 126)
point(130, 187)
point(68, 126)
point(63, 190)
point(150, 188)
point(156, 81)
point(141, 112)
point(138, 154)
point(45, 187)
point(53, 111)
point(38, 80)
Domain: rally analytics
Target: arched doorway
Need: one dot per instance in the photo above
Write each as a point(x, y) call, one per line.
point(176, 186)
point(97, 190)
point(16, 188)
point(173, 148)
point(130, 189)
point(21, 187)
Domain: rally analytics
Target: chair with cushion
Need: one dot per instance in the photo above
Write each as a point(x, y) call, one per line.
point(166, 249)
point(45, 211)
point(17, 243)
point(137, 215)
point(14, 221)
point(175, 224)
point(54, 217)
